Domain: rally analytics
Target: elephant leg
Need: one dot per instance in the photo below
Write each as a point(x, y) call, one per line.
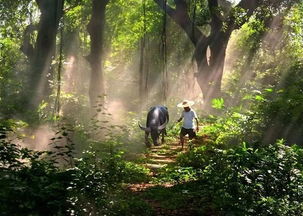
point(163, 135)
point(147, 143)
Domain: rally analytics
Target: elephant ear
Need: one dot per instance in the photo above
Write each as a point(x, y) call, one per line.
point(143, 128)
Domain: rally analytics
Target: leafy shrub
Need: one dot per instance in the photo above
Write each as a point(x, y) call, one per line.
point(96, 178)
point(178, 174)
point(282, 108)
point(248, 181)
point(30, 185)
point(268, 115)
point(128, 204)
point(196, 158)
point(236, 125)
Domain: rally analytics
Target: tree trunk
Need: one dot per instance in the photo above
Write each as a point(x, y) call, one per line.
point(210, 71)
point(40, 55)
point(142, 65)
point(96, 30)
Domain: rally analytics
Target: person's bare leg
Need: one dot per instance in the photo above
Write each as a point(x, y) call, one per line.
point(181, 140)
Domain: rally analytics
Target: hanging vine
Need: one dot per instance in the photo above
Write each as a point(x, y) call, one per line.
point(142, 55)
point(59, 82)
point(146, 69)
point(164, 56)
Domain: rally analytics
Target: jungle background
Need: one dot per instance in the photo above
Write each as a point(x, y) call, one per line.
point(76, 77)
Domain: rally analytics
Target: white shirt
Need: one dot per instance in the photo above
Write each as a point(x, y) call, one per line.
point(189, 117)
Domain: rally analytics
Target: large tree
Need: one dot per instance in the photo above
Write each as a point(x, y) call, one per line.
point(223, 20)
point(41, 53)
point(96, 31)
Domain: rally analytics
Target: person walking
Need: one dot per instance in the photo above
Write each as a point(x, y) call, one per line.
point(188, 115)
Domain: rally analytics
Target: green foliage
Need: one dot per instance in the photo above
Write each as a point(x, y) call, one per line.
point(11, 83)
point(129, 24)
point(264, 50)
point(235, 126)
point(282, 108)
point(294, 23)
point(128, 204)
point(202, 13)
point(196, 158)
point(78, 14)
point(33, 183)
point(178, 174)
point(174, 130)
point(248, 181)
point(170, 199)
point(30, 185)
point(13, 17)
point(89, 188)
point(96, 177)
point(263, 116)
point(217, 103)
point(286, 101)
point(237, 177)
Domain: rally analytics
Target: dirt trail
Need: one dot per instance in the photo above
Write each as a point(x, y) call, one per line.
point(157, 158)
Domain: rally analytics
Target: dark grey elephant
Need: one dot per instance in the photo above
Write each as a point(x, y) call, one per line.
point(157, 119)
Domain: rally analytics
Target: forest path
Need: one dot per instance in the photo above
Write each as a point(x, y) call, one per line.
point(165, 198)
point(156, 159)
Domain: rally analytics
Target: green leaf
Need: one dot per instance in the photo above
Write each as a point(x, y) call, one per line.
point(217, 103)
point(259, 98)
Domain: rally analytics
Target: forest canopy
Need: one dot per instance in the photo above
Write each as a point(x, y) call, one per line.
point(79, 77)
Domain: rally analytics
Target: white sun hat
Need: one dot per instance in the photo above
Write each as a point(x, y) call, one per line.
point(186, 103)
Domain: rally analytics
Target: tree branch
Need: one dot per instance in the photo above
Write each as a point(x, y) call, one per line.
point(213, 6)
point(26, 47)
point(181, 17)
point(249, 6)
point(216, 20)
